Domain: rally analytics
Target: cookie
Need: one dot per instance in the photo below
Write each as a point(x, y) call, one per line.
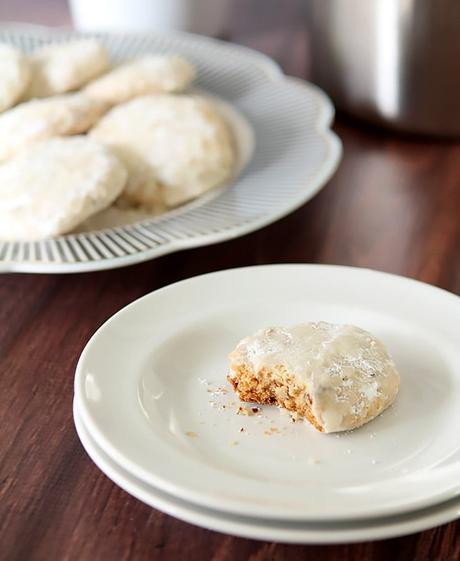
point(63, 67)
point(39, 119)
point(175, 147)
point(14, 75)
point(338, 377)
point(143, 76)
point(55, 185)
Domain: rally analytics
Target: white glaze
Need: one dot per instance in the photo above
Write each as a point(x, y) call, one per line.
point(175, 147)
point(56, 184)
point(15, 75)
point(154, 74)
point(62, 67)
point(40, 119)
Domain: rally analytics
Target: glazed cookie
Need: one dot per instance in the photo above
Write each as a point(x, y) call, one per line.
point(40, 119)
point(62, 67)
point(175, 147)
point(143, 76)
point(56, 184)
point(14, 75)
point(338, 377)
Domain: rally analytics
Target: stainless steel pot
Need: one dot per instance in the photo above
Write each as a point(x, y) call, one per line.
point(395, 62)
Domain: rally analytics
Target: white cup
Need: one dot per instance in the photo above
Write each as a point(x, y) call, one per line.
point(207, 17)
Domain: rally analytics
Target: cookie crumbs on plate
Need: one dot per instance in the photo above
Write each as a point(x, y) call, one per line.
point(217, 391)
point(294, 416)
point(314, 461)
point(191, 434)
point(248, 411)
point(234, 443)
point(242, 429)
point(271, 430)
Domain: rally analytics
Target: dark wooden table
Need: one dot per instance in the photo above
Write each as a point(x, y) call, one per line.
point(393, 205)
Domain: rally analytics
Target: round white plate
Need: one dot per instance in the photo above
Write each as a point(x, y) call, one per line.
point(152, 388)
point(288, 532)
point(295, 153)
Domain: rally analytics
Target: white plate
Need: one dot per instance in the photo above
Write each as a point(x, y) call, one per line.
point(288, 532)
point(142, 383)
point(295, 154)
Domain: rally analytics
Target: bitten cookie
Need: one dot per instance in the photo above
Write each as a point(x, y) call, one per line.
point(40, 119)
point(143, 76)
point(175, 147)
point(336, 376)
point(53, 186)
point(62, 67)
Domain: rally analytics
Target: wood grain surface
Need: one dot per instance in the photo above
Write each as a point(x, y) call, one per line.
point(393, 205)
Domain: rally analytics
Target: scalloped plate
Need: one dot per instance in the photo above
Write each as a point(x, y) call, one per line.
point(294, 153)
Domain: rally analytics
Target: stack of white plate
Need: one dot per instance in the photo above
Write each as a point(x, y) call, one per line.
point(154, 411)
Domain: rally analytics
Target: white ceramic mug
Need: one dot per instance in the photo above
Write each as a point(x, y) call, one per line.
point(207, 17)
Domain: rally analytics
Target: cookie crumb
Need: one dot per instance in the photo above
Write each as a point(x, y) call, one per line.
point(191, 434)
point(248, 411)
point(270, 431)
